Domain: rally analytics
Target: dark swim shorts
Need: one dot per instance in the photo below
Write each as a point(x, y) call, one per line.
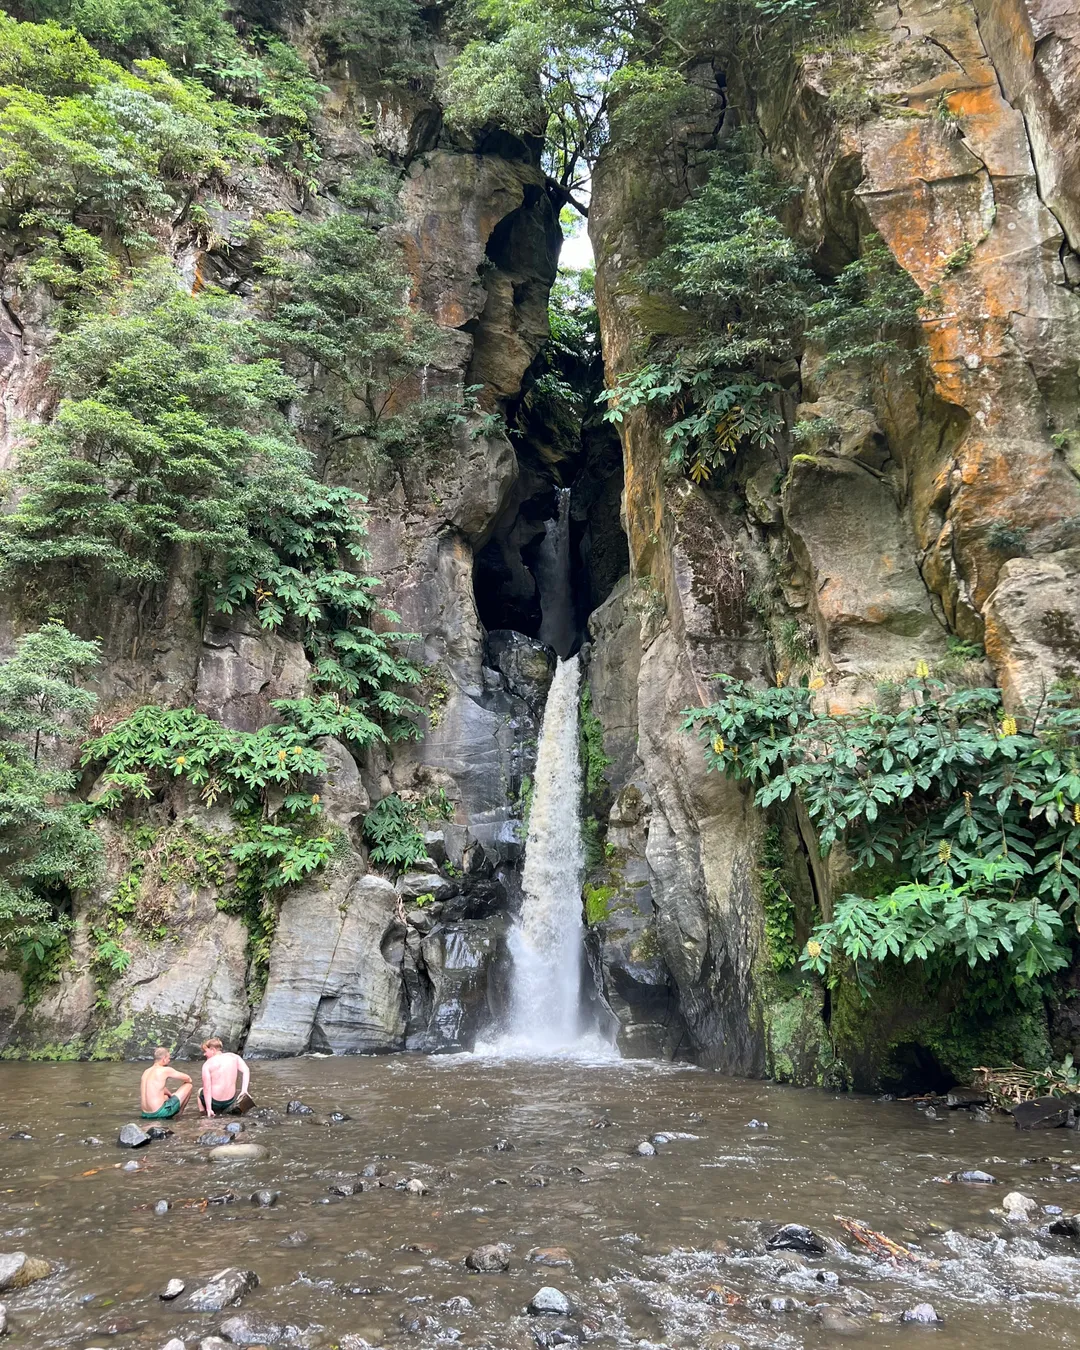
point(168, 1108)
point(218, 1107)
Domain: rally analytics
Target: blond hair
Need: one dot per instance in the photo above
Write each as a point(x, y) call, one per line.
point(212, 1044)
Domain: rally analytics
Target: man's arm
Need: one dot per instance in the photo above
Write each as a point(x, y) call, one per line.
point(207, 1090)
point(245, 1075)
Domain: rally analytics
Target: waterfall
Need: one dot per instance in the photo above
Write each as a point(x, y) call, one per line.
point(547, 941)
point(557, 626)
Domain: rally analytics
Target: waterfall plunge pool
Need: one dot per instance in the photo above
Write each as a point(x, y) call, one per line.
point(666, 1250)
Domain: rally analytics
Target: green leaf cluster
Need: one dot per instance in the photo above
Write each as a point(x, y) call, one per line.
point(392, 828)
point(751, 300)
point(94, 144)
point(47, 850)
point(974, 819)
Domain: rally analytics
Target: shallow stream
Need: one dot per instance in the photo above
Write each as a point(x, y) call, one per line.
point(667, 1250)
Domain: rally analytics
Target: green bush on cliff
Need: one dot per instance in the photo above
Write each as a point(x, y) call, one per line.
point(975, 819)
point(80, 134)
point(46, 849)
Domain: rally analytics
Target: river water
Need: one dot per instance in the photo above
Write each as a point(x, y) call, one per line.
point(666, 1250)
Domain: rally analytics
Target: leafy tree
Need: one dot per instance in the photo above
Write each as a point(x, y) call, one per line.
point(46, 849)
point(973, 821)
point(91, 143)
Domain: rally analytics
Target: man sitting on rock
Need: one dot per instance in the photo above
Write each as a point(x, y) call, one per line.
point(219, 1091)
point(158, 1103)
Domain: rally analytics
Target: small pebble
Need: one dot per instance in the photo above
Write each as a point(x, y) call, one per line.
point(162, 1206)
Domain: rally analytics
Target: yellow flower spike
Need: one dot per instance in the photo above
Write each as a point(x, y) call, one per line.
point(718, 745)
point(1008, 726)
point(780, 677)
point(298, 749)
point(314, 799)
point(813, 950)
point(281, 755)
point(922, 670)
point(944, 851)
point(1076, 813)
point(967, 805)
point(181, 760)
point(817, 682)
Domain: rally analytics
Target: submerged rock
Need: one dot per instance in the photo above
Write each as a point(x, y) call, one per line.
point(223, 1289)
point(297, 1108)
point(838, 1322)
point(974, 1178)
point(17, 1270)
point(237, 1153)
point(1067, 1226)
point(491, 1257)
point(250, 1329)
point(212, 1138)
point(550, 1256)
point(1046, 1113)
point(132, 1136)
point(549, 1301)
point(163, 1207)
point(645, 1149)
point(922, 1312)
point(265, 1199)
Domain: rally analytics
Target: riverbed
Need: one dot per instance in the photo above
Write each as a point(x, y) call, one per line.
point(667, 1250)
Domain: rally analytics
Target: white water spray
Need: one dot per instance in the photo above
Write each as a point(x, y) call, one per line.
point(547, 942)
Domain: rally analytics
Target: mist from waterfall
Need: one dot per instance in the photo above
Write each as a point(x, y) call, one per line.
point(547, 942)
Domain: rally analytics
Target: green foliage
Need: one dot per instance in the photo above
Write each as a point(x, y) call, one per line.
point(337, 309)
point(591, 744)
point(870, 308)
point(386, 35)
point(753, 299)
point(79, 133)
point(777, 903)
point(392, 828)
point(569, 369)
point(46, 849)
point(978, 820)
point(168, 436)
point(600, 904)
point(1006, 538)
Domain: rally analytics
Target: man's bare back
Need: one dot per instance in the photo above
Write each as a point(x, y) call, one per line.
point(154, 1095)
point(219, 1074)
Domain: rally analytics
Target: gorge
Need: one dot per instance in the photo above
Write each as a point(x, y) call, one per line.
point(337, 475)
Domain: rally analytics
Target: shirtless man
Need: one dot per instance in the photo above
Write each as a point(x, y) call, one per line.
point(219, 1078)
point(157, 1102)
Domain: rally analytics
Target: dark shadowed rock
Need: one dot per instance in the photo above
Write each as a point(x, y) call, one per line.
point(796, 1237)
point(297, 1108)
point(1047, 1113)
point(132, 1136)
point(1067, 1226)
point(223, 1290)
point(491, 1257)
point(963, 1097)
point(159, 1132)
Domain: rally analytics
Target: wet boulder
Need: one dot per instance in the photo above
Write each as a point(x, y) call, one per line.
point(17, 1270)
point(1067, 1226)
point(298, 1108)
point(922, 1312)
point(223, 1290)
point(1019, 1207)
point(265, 1199)
point(549, 1301)
point(159, 1132)
point(172, 1290)
point(796, 1237)
point(493, 1256)
point(132, 1136)
point(836, 1321)
point(250, 1329)
point(974, 1177)
point(1047, 1113)
point(963, 1097)
point(645, 1149)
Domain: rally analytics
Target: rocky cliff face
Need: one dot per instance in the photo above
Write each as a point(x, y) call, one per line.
point(939, 498)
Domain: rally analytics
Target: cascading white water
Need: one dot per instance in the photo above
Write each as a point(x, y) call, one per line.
point(547, 942)
point(553, 579)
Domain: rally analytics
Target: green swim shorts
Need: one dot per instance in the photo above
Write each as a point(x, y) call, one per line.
point(219, 1107)
point(168, 1108)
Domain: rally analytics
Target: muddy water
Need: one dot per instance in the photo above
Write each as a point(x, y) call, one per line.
point(642, 1231)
